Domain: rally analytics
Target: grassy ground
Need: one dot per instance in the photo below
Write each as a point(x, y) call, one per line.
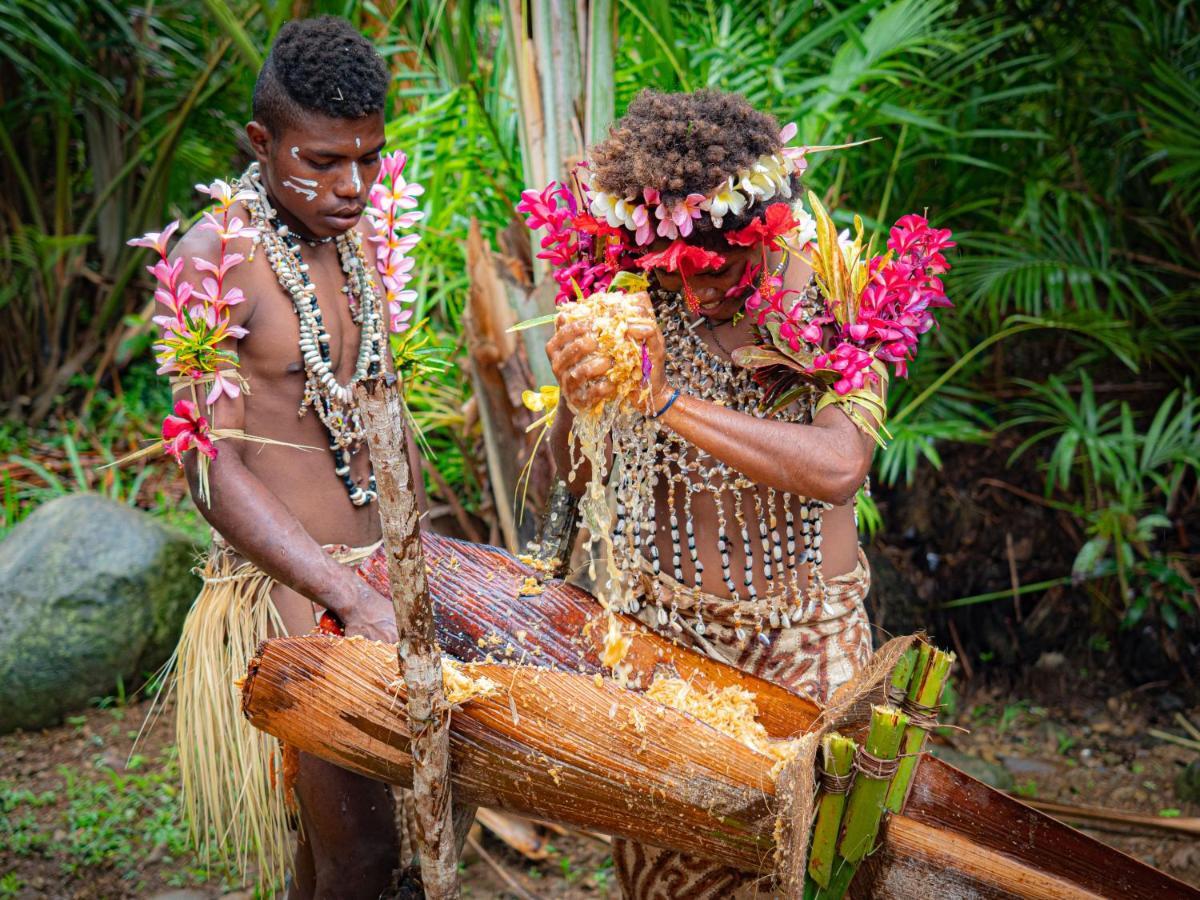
point(85, 815)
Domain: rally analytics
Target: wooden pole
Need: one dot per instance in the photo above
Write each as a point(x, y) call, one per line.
point(420, 657)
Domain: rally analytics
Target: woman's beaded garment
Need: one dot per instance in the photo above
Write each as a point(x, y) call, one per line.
point(774, 532)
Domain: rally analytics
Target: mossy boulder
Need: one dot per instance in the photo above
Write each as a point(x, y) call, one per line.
point(91, 591)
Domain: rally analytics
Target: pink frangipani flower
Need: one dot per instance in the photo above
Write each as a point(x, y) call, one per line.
point(156, 240)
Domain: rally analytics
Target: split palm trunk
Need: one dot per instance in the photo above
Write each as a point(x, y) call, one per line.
point(561, 57)
point(558, 743)
point(418, 654)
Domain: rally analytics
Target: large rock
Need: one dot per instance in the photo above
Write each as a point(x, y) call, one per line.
point(90, 591)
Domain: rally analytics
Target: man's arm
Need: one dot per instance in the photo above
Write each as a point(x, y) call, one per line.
point(254, 521)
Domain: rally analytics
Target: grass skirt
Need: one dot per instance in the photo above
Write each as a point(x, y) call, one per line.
point(233, 775)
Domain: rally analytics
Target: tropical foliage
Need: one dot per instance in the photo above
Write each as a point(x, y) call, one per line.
point(1057, 139)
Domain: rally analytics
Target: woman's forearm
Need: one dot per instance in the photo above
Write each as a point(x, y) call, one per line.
point(560, 437)
point(827, 460)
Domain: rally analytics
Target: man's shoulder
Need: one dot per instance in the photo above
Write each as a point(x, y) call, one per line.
point(202, 239)
point(197, 242)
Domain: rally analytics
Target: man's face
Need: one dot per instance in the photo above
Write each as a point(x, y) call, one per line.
point(320, 169)
point(710, 287)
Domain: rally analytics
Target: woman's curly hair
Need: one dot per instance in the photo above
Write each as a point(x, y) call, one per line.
point(684, 144)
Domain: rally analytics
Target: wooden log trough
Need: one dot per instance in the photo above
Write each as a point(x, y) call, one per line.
point(562, 742)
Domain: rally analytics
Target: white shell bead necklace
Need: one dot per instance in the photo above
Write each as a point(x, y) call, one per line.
point(331, 401)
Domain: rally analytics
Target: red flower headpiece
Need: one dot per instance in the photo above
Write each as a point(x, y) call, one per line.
point(686, 259)
point(769, 229)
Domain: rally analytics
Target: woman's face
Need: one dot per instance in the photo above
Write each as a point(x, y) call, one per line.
point(710, 286)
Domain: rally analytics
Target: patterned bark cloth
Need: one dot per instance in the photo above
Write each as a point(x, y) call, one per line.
point(814, 657)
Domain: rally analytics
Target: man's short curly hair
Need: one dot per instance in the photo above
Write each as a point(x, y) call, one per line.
point(684, 144)
point(319, 65)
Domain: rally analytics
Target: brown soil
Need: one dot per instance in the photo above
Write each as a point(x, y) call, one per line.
point(79, 823)
point(1087, 748)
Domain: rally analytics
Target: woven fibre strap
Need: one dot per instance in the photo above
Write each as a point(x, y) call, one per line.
point(920, 715)
point(872, 766)
point(836, 784)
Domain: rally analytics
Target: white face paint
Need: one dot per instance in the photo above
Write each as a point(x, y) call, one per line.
point(354, 179)
point(358, 143)
point(306, 192)
point(296, 153)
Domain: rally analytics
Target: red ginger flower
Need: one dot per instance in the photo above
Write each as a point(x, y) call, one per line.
point(687, 260)
point(187, 428)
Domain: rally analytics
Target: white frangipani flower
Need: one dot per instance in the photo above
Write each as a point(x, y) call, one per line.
point(727, 201)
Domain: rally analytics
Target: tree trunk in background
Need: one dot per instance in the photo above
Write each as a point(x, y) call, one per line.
point(500, 371)
point(562, 61)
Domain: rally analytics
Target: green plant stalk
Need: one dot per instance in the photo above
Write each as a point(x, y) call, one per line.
point(839, 883)
point(927, 685)
point(838, 755)
point(902, 675)
point(1024, 323)
point(864, 809)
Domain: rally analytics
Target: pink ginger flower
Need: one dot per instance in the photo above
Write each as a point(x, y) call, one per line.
point(392, 165)
point(223, 386)
point(167, 272)
point(228, 261)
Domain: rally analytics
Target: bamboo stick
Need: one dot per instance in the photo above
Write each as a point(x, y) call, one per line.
point(865, 807)
point(420, 658)
point(928, 682)
point(838, 757)
point(1114, 816)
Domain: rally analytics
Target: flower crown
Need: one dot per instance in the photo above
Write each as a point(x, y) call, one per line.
point(764, 180)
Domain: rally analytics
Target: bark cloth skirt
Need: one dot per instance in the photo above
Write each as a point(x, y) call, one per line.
point(814, 656)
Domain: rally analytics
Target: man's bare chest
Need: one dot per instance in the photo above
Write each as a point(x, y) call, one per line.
point(271, 352)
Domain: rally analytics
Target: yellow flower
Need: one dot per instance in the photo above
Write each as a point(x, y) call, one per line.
point(544, 399)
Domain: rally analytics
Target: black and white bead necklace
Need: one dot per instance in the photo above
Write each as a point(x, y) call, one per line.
point(656, 454)
point(332, 402)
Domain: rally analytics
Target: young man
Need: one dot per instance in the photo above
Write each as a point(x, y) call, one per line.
point(747, 548)
point(291, 518)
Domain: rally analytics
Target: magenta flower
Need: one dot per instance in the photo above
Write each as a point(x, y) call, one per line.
point(185, 429)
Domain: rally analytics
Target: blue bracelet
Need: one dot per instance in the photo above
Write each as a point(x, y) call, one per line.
point(663, 411)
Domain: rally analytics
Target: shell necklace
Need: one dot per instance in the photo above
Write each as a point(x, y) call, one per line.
point(332, 402)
